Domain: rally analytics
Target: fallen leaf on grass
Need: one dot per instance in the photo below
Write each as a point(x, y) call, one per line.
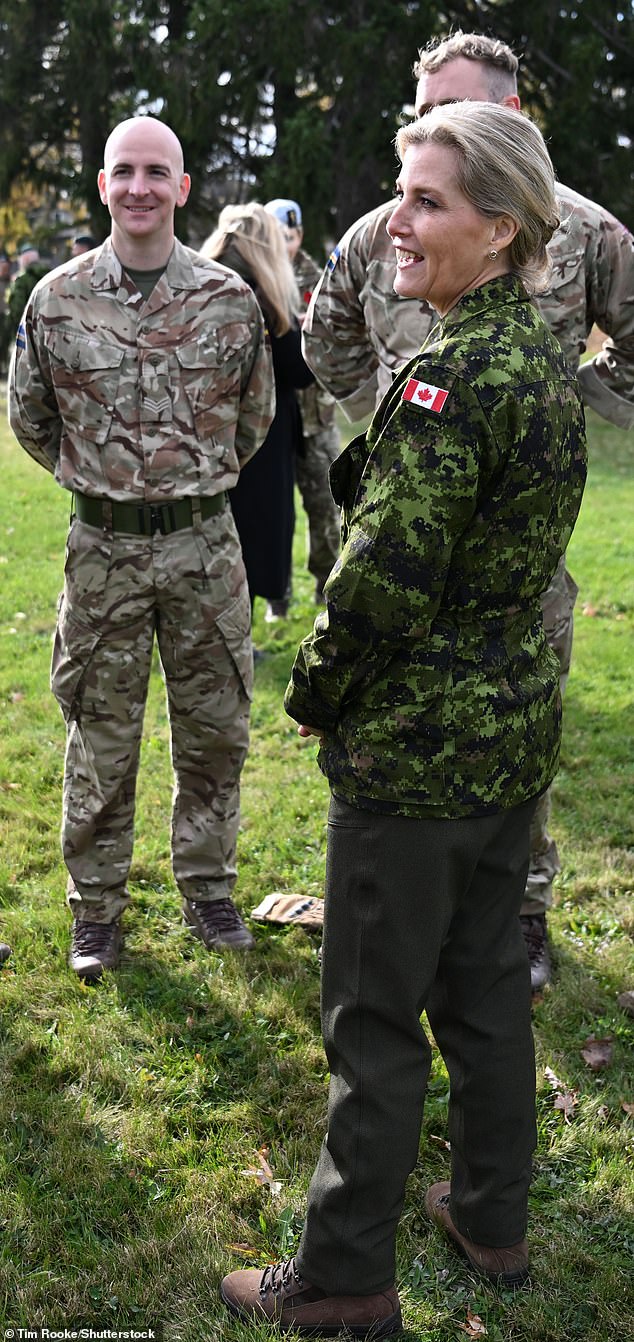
point(628, 1108)
point(246, 1250)
point(17, 697)
point(264, 1174)
point(597, 1053)
point(566, 1100)
point(10, 787)
point(474, 1326)
point(589, 610)
point(440, 1141)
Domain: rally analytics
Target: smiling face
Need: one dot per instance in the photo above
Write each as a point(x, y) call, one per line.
point(142, 182)
point(442, 241)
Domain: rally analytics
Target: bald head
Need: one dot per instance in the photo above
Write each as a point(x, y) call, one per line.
point(142, 127)
point(142, 182)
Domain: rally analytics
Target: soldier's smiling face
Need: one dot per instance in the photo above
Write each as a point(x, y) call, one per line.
point(142, 182)
point(442, 241)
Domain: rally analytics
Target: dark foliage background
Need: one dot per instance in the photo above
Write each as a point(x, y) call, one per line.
point(293, 98)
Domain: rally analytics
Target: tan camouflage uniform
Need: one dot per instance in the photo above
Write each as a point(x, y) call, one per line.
point(322, 445)
point(150, 402)
point(358, 333)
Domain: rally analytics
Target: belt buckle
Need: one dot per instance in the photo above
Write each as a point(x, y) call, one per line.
point(160, 515)
point(156, 519)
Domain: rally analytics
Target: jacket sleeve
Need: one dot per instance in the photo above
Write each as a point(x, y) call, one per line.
point(335, 338)
point(33, 412)
point(257, 398)
point(607, 380)
point(416, 496)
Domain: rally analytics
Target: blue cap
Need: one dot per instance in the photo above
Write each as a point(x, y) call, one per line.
point(287, 211)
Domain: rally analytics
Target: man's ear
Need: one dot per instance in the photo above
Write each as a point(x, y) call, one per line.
point(184, 189)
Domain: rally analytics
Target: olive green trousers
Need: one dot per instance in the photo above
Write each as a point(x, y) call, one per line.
point(421, 914)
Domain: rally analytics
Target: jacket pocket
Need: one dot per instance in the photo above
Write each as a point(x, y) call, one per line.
point(210, 376)
point(86, 373)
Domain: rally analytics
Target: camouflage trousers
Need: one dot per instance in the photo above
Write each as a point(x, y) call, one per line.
point(557, 606)
point(324, 522)
point(120, 591)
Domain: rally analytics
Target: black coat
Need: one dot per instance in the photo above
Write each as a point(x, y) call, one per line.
point(262, 501)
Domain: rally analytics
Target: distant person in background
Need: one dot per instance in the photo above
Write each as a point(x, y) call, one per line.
point(31, 269)
point(322, 442)
point(82, 243)
point(249, 240)
point(5, 334)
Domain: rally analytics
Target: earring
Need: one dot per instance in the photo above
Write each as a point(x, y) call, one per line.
point(492, 254)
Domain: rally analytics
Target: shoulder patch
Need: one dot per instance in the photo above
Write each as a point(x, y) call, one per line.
point(422, 393)
point(20, 338)
point(333, 258)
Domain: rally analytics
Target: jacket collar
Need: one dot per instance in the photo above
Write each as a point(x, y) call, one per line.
point(108, 273)
point(502, 289)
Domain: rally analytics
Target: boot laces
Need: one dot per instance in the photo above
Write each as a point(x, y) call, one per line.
point(279, 1276)
point(218, 915)
point(89, 938)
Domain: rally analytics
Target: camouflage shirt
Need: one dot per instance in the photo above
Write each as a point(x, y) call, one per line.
point(124, 398)
point(358, 331)
point(429, 670)
point(317, 406)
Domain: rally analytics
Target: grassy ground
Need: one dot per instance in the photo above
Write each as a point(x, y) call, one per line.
point(132, 1114)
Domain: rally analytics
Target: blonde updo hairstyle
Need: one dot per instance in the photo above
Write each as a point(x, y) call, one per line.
point(502, 167)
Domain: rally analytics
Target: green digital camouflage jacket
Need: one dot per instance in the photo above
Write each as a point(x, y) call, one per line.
point(126, 398)
point(429, 671)
point(358, 332)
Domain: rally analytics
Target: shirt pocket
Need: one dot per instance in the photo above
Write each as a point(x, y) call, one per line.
point(86, 373)
point(210, 373)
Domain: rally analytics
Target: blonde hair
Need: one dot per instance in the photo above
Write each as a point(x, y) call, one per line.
point(503, 167)
point(253, 237)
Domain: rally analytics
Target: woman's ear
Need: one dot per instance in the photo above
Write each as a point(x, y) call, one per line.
point(505, 229)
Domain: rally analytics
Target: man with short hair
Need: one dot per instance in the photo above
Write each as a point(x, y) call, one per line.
point(320, 433)
point(83, 242)
point(358, 332)
point(142, 380)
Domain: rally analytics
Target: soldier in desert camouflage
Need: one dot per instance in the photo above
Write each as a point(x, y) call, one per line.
point(358, 332)
point(319, 429)
point(141, 379)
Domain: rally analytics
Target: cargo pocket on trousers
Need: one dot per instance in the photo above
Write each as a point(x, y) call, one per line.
point(73, 648)
point(234, 624)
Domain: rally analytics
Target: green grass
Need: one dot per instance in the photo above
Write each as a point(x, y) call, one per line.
point(130, 1112)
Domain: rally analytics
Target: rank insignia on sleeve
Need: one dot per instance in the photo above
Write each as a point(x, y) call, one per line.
point(333, 258)
point(20, 339)
point(422, 393)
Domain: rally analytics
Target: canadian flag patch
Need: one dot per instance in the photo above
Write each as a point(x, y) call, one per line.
point(422, 393)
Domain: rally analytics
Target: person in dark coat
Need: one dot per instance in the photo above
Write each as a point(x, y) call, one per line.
point(249, 241)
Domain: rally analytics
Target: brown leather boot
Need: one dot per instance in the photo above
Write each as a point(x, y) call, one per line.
point(94, 947)
point(505, 1266)
point(281, 1295)
point(217, 923)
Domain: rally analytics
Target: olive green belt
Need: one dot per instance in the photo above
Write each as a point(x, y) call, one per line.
point(144, 519)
